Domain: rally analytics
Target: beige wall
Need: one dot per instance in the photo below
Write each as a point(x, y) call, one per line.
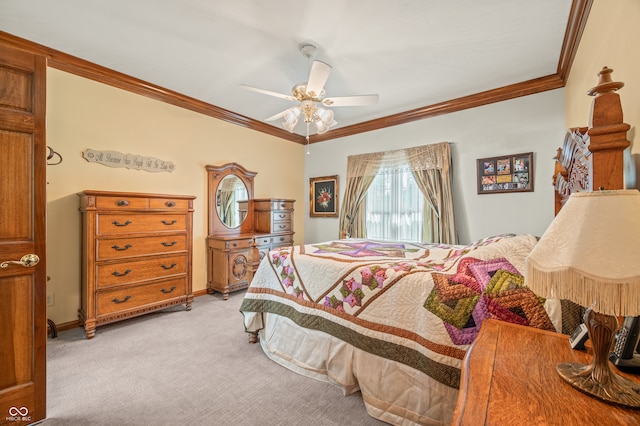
point(610, 39)
point(84, 114)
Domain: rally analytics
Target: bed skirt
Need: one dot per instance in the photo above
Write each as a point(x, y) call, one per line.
point(417, 399)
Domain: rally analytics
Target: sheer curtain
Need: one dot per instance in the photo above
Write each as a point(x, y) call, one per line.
point(431, 168)
point(394, 206)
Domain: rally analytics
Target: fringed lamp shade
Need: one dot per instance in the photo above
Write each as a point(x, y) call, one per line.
point(590, 254)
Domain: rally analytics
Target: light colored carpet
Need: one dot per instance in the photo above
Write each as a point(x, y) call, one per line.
point(176, 367)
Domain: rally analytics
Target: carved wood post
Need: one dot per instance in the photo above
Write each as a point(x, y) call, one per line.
point(607, 133)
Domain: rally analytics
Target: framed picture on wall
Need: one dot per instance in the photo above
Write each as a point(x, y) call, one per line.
point(509, 173)
point(323, 196)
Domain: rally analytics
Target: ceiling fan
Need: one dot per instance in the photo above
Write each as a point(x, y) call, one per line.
point(311, 98)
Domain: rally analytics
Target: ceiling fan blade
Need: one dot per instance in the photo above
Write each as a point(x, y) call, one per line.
point(317, 77)
point(275, 117)
point(351, 100)
point(268, 92)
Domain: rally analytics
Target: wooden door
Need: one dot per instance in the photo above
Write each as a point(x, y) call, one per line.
point(23, 320)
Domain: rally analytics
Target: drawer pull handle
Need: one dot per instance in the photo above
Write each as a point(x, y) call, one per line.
point(116, 223)
point(119, 274)
point(282, 226)
point(282, 216)
point(172, 243)
point(116, 300)
point(234, 244)
point(170, 204)
point(122, 203)
point(166, 222)
point(128, 246)
point(282, 206)
point(165, 291)
point(173, 265)
point(281, 239)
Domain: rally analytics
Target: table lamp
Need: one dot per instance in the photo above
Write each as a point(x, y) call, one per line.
point(590, 254)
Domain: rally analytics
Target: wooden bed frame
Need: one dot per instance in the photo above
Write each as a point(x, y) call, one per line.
point(591, 158)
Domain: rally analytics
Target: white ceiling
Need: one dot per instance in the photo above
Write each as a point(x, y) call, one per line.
point(413, 53)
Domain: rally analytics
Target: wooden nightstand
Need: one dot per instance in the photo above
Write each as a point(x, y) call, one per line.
point(509, 377)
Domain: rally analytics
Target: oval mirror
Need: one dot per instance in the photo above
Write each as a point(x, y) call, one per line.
point(232, 201)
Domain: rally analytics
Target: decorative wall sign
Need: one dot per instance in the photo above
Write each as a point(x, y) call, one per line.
point(129, 161)
point(510, 173)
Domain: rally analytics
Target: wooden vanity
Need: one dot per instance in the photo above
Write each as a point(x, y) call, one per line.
point(242, 229)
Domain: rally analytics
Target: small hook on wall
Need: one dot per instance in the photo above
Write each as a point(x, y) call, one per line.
point(52, 153)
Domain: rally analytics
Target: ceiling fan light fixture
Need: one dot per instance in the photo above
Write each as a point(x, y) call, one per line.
point(311, 97)
point(321, 127)
point(325, 115)
point(291, 115)
point(289, 126)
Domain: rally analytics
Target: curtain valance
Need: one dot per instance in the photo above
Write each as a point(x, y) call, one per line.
point(419, 158)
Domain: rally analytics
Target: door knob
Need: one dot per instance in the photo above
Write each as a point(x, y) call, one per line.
point(26, 260)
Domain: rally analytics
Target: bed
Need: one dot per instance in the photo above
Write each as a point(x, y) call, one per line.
point(394, 320)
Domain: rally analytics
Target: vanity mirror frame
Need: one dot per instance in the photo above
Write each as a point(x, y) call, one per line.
point(215, 175)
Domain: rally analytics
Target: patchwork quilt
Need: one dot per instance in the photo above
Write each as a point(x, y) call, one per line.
point(420, 305)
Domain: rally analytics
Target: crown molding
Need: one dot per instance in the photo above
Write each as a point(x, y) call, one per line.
point(575, 27)
point(479, 99)
point(80, 67)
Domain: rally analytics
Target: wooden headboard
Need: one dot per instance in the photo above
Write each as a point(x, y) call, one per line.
point(591, 158)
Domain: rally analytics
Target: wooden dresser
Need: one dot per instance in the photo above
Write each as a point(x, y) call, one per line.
point(509, 377)
point(136, 255)
point(242, 229)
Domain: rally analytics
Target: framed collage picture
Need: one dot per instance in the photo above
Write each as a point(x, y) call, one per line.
point(509, 173)
point(323, 196)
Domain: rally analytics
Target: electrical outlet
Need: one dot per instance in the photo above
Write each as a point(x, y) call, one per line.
point(50, 299)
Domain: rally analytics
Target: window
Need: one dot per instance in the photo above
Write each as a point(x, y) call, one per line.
point(411, 199)
point(394, 206)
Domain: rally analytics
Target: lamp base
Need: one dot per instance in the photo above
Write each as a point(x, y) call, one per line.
point(612, 388)
point(598, 379)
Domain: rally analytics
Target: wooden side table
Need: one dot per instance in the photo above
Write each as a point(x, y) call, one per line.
point(509, 377)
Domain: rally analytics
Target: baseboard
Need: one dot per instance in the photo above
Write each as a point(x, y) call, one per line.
point(73, 324)
point(68, 325)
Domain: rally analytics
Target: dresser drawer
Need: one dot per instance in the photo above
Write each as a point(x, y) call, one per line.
point(281, 216)
point(168, 203)
point(239, 244)
point(130, 246)
point(281, 227)
point(124, 202)
point(263, 241)
point(282, 240)
point(140, 270)
point(112, 224)
point(124, 299)
point(273, 204)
